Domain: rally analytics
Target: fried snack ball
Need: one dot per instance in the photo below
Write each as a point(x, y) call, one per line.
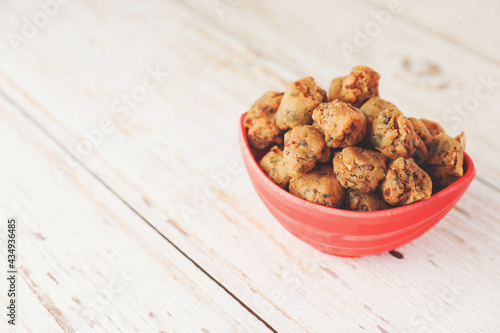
point(264, 132)
point(359, 86)
point(316, 125)
point(371, 109)
point(299, 100)
point(335, 87)
point(433, 127)
point(445, 164)
point(405, 183)
point(319, 186)
point(393, 135)
point(273, 165)
point(422, 131)
point(304, 147)
point(327, 155)
point(359, 169)
point(262, 129)
point(342, 124)
point(461, 139)
point(365, 201)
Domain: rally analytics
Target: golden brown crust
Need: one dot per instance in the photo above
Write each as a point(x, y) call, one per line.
point(273, 165)
point(433, 127)
point(359, 169)
point(461, 139)
point(298, 102)
point(371, 109)
point(319, 186)
point(393, 135)
point(304, 146)
point(445, 164)
point(405, 183)
point(326, 155)
point(260, 121)
point(365, 201)
point(359, 86)
point(264, 132)
point(342, 124)
point(266, 106)
point(422, 131)
point(335, 87)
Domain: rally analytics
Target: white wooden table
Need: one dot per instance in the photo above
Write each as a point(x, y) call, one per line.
point(117, 117)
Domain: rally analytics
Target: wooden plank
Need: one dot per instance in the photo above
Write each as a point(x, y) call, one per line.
point(169, 148)
point(473, 25)
point(86, 261)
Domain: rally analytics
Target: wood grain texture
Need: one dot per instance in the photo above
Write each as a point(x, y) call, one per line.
point(471, 24)
point(167, 151)
point(87, 262)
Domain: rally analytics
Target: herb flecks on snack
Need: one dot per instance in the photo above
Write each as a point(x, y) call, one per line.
point(382, 159)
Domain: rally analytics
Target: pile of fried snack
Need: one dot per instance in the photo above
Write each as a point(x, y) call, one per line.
point(351, 149)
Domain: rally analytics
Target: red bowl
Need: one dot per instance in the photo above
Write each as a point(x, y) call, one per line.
point(351, 233)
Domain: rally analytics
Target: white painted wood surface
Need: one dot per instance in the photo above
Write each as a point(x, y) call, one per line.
point(166, 149)
point(87, 262)
point(471, 24)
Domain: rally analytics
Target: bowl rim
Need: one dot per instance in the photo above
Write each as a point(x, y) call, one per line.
point(470, 172)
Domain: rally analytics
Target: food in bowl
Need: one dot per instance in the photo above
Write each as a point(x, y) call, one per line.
point(299, 100)
point(304, 147)
point(351, 150)
point(273, 164)
point(445, 165)
point(319, 186)
point(262, 129)
point(359, 169)
point(365, 201)
point(365, 228)
point(356, 88)
point(342, 124)
point(393, 135)
point(405, 183)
